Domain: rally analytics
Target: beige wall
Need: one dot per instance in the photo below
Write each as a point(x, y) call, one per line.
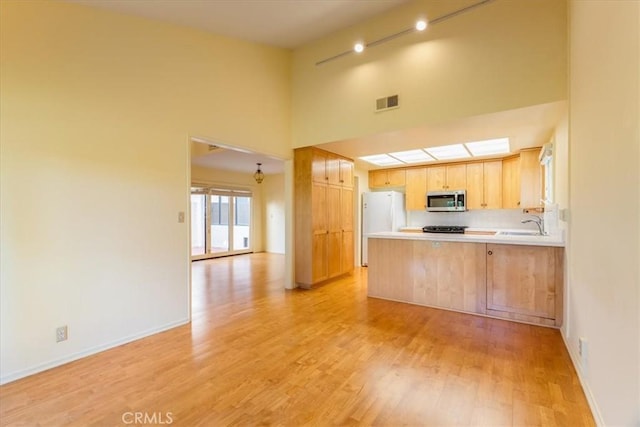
point(97, 109)
point(274, 213)
point(604, 226)
point(504, 55)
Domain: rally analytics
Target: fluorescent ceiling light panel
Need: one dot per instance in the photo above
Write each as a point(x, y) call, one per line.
point(381, 160)
point(456, 151)
point(412, 156)
point(488, 147)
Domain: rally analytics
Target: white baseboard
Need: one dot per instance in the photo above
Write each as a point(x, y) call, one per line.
point(595, 411)
point(88, 352)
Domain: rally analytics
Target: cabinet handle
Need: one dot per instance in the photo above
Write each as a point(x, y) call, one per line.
point(490, 252)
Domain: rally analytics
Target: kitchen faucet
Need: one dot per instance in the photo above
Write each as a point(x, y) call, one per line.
point(539, 222)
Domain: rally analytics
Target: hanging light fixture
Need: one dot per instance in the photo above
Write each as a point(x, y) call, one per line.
point(259, 175)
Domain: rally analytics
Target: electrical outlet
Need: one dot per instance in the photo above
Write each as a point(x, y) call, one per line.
point(583, 351)
point(62, 333)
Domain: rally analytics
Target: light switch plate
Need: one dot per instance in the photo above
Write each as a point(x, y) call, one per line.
point(180, 217)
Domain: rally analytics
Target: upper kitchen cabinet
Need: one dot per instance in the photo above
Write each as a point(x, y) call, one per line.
point(522, 180)
point(530, 178)
point(447, 177)
point(484, 185)
point(416, 189)
point(383, 178)
point(511, 182)
point(329, 168)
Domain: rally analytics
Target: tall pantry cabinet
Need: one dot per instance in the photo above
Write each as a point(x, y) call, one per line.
point(324, 209)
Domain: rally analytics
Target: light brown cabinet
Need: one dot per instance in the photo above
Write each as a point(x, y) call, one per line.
point(447, 177)
point(484, 185)
point(514, 282)
point(525, 283)
point(511, 182)
point(416, 189)
point(382, 178)
point(323, 215)
point(522, 180)
point(329, 168)
point(530, 178)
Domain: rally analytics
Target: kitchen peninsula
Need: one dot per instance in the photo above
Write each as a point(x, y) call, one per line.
point(509, 276)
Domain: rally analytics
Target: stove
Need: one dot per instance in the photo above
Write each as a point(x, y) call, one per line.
point(459, 229)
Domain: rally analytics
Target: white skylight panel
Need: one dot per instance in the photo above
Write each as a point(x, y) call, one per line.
point(381, 160)
point(488, 147)
point(444, 152)
point(412, 156)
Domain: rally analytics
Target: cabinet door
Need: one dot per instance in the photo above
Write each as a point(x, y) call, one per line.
point(318, 208)
point(416, 189)
point(318, 166)
point(346, 209)
point(334, 253)
point(396, 177)
point(492, 178)
point(378, 178)
point(319, 256)
point(530, 179)
point(346, 173)
point(456, 177)
point(347, 251)
point(436, 178)
point(522, 280)
point(475, 186)
point(511, 182)
point(333, 170)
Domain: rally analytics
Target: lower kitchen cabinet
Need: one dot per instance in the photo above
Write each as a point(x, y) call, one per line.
point(514, 282)
point(525, 283)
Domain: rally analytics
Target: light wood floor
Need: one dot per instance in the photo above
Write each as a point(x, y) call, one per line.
point(257, 354)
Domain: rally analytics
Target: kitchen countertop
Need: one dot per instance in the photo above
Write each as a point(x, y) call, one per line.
point(411, 233)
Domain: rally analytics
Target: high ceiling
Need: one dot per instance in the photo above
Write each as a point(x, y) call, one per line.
point(292, 23)
point(282, 23)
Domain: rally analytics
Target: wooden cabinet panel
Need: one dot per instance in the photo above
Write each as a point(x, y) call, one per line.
point(441, 274)
point(530, 179)
point(319, 166)
point(319, 248)
point(318, 205)
point(457, 177)
point(332, 170)
point(436, 178)
point(475, 186)
point(346, 173)
point(447, 177)
point(416, 189)
point(522, 280)
point(511, 182)
point(382, 178)
point(484, 185)
point(323, 215)
point(492, 184)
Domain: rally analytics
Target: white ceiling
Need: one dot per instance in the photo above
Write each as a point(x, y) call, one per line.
point(230, 159)
point(282, 23)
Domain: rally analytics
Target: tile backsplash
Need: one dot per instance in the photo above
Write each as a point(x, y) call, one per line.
point(485, 218)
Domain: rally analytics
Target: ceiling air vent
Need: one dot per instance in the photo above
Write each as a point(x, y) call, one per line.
point(387, 103)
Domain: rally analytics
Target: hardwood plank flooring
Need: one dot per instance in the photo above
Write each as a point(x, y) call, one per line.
point(257, 354)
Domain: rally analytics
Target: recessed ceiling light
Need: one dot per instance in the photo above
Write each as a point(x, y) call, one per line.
point(489, 147)
point(381, 160)
point(421, 25)
point(455, 151)
point(412, 156)
point(358, 47)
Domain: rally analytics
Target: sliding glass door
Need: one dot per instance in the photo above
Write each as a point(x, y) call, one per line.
point(220, 222)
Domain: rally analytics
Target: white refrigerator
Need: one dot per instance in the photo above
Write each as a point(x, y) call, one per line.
point(381, 211)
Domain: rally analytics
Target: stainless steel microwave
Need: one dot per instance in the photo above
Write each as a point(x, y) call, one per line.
point(447, 201)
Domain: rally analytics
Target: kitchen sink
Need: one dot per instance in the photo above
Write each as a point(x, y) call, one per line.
point(517, 233)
